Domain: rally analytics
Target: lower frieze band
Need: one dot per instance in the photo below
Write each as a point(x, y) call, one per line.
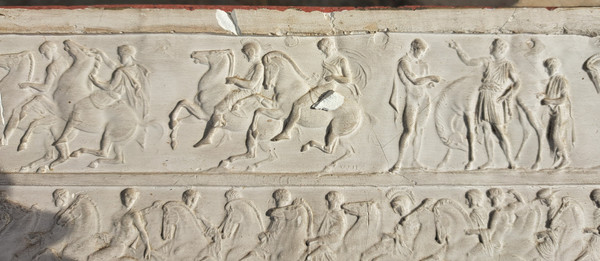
point(300, 223)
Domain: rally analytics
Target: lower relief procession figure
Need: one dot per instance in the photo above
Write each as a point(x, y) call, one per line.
point(73, 234)
point(241, 226)
point(499, 84)
point(414, 75)
point(329, 239)
point(188, 235)
point(591, 251)
point(128, 228)
point(557, 99)
point(285, 238)
point(562, 238)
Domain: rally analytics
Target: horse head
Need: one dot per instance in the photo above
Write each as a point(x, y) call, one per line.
point(169, 222)
point(275, 63)
point(74, 49)
point(214, 57)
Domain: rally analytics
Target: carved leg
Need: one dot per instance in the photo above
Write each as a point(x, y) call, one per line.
point(272, 157)
point(209, 132)
point(46, 121)
point(331, 141)
point(194, 110)
point(526, 134)
point(489, 146)
point(290, 123)
point(63, 147)
point(445, 159)
point(539, 132)
point(470, 124)
point(118, 159)
point(334, 163)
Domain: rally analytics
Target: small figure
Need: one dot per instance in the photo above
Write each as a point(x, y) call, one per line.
point(73, 232)
point(499, 84)
point(414, 75)
point(247, 87)
point(241, 226)
point(592, 250)
point(499, 227)
point(291, 225)
point(563, 238)
point(127, 229)
point(400, 245)
point(336, 74)
point(479, 218)
point(558, 100)
point(329, 239)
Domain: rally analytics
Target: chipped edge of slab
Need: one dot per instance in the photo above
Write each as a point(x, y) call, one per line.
point(237, 21)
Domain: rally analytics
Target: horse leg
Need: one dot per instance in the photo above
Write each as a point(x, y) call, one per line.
point(118, 159)
point(538, 131)
point(48, 156)
point(272, 156)
point(35, 124)
point(334, 163)
point(331, 141)
point(63, 147)
point(252, 135)
point(192, 108)
point(105, 144)
point(470, 124)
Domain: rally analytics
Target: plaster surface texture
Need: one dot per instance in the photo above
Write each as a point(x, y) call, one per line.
point(264, 134)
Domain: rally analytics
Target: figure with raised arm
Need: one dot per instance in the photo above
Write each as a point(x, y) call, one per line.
point(247, 86)
point(336, 74)
point(414, 75)
point(127, 229)
point(558, 100)
point(499, 85)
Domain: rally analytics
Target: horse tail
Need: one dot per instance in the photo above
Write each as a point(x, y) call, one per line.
point(278, 54)
point(444, 116)
point(141, 136)
point(592, 70)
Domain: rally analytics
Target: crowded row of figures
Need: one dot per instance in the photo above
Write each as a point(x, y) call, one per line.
point(352, 104)
point(298, 224)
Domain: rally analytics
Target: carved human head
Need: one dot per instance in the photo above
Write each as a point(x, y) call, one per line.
point(475, 198)
point(327, 46)
point(496, 195)
point(595, 196)
point(552, 65)
point(498, 48)
point(129, 196)
point(402, 204)
point(61, 197)
point(232, 194)
point(545, 196)
point(191, 197)
point(47, 49)
point(334, 199)
point(418, 48)
point(126, 52)
point(282, 197)
point(251, 50)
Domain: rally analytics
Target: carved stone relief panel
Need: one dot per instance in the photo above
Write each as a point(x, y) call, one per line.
point(301, 223)
point(173, 134)
point(346, 104)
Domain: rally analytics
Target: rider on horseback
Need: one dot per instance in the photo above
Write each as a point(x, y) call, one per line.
point(247, 87)
point(336, 72)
